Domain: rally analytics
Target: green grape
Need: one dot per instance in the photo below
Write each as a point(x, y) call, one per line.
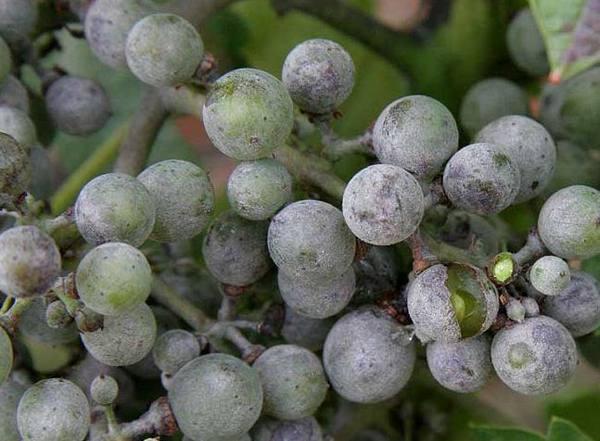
point(216, 396)
point(525, 44)
point(184, 199)
point(5, 60)
point(107, 24)
point(30, 261)
point(125, 339)
point(174, 349)
point(488, 100)
point(568, 222)
point(114, 278)
point(11, 392)
point(15, 167)
point(17, 20)
point(574, 166)
point(258, 189)
point(319, 75)
point(53, 409)
point(16, 123)
point(104, 390)
point(235, 250)
point(14, 94)
point(163, 50)
point(416, 133)
point(247, 114)
point(293, 382)
point(549, 275)
point(6, 355)
point(115, 207)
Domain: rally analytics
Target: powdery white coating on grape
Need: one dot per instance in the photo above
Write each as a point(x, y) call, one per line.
point(107, 24)
point(184, 199)
point(416, 133)
point(368, 356)
point(463, 366)
point(526, 45)
point(549, 275)
point(6, 355)
point(577, 307)
point(450, 302)
point(515, 310)
point(304, 429)
point(532, 308)
point(569, 222)
point(319, 75)
point(490, 99)
point(383, 204)
point(29, 261)
point(164, 50)
point(16, 123)
point(33, 324)
point(15, 167)
point(115, 207)
point(247, 114)
point(114, 278)
point(174, 349)
point(216, 396)
point(305, 331)
point(104, 390)
point(14, 94)
point(317, 299)
point(535, 357)
point(529, 145)
point(293, 382)
point(10, 394)
point(482, 179)
point(125, 339)
point(17, 19)
point(258, 189)
point(5, 60)
point(78, 106)
point(235, 250)
point(53, 410)
point(309, 239)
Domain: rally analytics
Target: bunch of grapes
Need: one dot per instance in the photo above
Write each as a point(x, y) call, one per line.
point(311, 301)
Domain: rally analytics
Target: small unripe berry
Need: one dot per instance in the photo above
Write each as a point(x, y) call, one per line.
point(549, 275)
point(104, 390)
point(33, 325)
point(57, 316)
point(174, 349)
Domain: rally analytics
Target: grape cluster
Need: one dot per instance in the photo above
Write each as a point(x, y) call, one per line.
point(302, 289)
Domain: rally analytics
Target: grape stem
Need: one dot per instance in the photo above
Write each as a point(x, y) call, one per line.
point(158, 420)
point(423, 258)
point(336, 147)
point(533, 249)
point(10, 318)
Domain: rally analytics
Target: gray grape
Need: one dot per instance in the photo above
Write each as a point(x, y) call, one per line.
point(17, 20)
point(549, 275)
point(173, 349)
point(16, 123)
point(15, 167)
point(104, 390)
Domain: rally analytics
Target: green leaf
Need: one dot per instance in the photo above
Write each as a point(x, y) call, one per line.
point(581, 409)
point(563, 430)
point(565, 27)
point(488, 433)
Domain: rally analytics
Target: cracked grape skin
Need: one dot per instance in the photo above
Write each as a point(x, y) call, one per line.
point(107, 23)
point(489, 100)
point(293, 382)
point(368, 356)
point(258, 189)
point(309, 239)
point(305, 429)
point(16, 123)
point(383, 204)
point(569, 222)
point(305, 331)
point(163, 50)
point(15, 167)
point(416, 133)
point(535, 357)
point(319, 75)
point(463, 366)
point(104, 390)
point(216, 396)
point(173, 349)
point(53, 410)
point(549, 275)
point(11, 392)
point(30, 261)
point(184, 199)
point(451, 302)
point(317, 299)
point(125, 339)
point(115, 207)
point(18, 19)
point(529, 145)
point(247, 114)
point(525, 44)
point(113, 278)
point(481, 179)
point(235, 250)
point(577, 307)
point(6, 356)
point(78, 106)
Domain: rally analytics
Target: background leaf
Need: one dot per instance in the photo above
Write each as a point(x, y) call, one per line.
point(563, 430)
point(486, 433)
